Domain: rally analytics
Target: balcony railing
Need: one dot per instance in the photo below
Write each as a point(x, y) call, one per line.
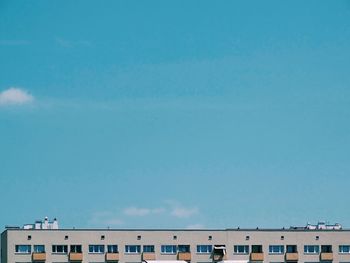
point(73, 256)
point(148, 256)
point(112, 257)
point(256, 256)
point(39, 256)
point(292, 256)
point(326, 256)
point(219, 257)
point(186, 256)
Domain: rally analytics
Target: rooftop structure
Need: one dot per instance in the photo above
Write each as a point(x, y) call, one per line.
point(319, 226)
point(39, 224)
point(175, 245)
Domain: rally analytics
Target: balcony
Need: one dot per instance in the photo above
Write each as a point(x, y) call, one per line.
point(256, 256)
point(39, 256)
point(219, 257)
point(219, 253)
point(112, 257)
point(326, 256)
point(292, 256)
point(148, 256)
point(73, 256)
point(186, 256)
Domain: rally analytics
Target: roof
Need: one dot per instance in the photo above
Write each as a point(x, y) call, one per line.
point(186, 230)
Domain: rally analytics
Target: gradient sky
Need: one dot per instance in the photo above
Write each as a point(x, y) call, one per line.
point(175, 114)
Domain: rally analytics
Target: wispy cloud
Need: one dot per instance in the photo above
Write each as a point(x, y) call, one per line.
point(10, 42)
point(137, 211)
point(105, 218)
point(15, 96)
point(195, 226)
point(71, 43)
point(184, 212)
point(170, 210)
point(180, 211)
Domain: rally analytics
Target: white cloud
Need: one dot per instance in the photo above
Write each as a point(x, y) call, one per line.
point(105, 218)
point(15, 96)
point(71, 43)
point(139, 211)
point(10, 42)
point(195, 226)
point(180, 211)
point(113, 222)
point(184, 212)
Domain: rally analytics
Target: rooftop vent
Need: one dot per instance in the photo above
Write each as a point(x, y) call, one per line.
point(39, 224)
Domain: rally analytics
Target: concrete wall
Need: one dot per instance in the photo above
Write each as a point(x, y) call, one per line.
point(166, 237)
point(4, 250)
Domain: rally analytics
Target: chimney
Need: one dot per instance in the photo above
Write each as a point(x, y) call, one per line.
point(55, 224)
point(46, 223)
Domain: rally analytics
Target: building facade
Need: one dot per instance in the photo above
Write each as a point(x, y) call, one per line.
point(20, 245)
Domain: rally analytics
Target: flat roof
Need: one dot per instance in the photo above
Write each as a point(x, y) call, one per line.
point(185, 230)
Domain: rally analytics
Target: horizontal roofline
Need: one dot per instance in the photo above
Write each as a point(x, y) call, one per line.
point(183, 230)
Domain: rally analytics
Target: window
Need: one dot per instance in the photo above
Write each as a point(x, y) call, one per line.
point(241, 249)
point(174, 237)
point(138, 237)
point(75, 249)
point(184, 248)
point(326, 249)
point(276, 249)
point(102, 237)
point(311, 249)
point(292, 249)
point(112, 249)
point(96, 249)
point(25, 249)
point(204, 249)
point(63, 249)
point(39, 248)
point(168, 249)
point(257, 249)
point(148, 248)
point(345, 249)
point(132, 249)
point(210, 237)
point(219, 250)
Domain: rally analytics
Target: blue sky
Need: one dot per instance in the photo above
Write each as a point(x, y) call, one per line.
point(175, 113)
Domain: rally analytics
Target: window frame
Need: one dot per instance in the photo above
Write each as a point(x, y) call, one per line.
point(236, 249)
point(208, 250)
point(291, 248)
point(112, 250)
point(326, 249)
point(257, 249)
point(28, 251)
point(342, 252)
point(152, 250)
point(64, 249)
point(184, 248)
point(165, 252)
point(35, 247)
point(137, 250)
point(316, 252)
point(279, 252)
point(76, 250)
point(96, 249)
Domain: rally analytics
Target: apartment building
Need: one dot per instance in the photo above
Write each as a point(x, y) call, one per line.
point(306, 244)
